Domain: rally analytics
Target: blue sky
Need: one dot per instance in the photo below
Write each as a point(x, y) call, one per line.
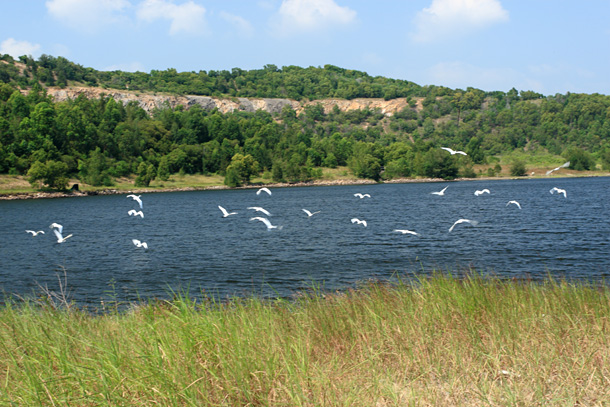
point(548, 46)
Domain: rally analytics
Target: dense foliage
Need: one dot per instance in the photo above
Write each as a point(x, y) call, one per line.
point(100, 139)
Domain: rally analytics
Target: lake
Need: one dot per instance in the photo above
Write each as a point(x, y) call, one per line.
point(190, 244)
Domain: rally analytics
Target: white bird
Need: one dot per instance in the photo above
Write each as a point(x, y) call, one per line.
point(481, 192)
point(359, 195)
point(34, 233)
point(225, 213)
point(259, 209)
point(472, 222)
point(310, 213)
point(441, 192)
point(60, 238)
point(514, 202)
point(58, 226)
point(453, 152)
point(358, 221)
point(136, 198)
point(266, 222)
point(263, 189)
point(405, 231)
point(139, 244)
point(565, 165)
point(133, 212)
point(559, 191)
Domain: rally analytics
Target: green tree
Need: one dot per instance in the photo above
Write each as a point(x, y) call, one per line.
point(517, 168)
point(51, 173)
point(243, 167)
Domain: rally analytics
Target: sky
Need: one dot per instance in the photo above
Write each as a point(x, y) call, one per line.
point(545, 46)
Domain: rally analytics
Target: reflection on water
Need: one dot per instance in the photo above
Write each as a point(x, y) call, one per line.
point(192, 245)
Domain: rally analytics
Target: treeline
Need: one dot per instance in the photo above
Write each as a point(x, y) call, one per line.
point(98, 140)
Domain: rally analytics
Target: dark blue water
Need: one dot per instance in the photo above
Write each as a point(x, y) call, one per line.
point(192, 246)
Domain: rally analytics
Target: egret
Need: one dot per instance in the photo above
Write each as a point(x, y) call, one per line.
point(358, 221)
point(60, 238)
point(263, 190)
point(34, 233)
point(133, 212)
point(58, 226)
point(405, 232)
point(514, 202)
point(472, 222)
point(565, 165)
point(259, 209)
point(481, 192)
point(138, 243)
point(441, 192)
point(136, 198)
point(310, 214)
point(266, 222)
point(359, 195)
point(453, 152)
point(225, 213)
point(559, 191)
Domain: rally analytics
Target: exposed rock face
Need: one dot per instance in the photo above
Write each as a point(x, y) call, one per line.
point(149, 102)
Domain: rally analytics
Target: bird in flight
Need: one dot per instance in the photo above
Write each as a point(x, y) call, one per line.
point(453, 152)
point(58, 226)
point(441, 192)
point(310, 214)
point(136, 198)
point(559, 191)
point(263, 189)
point(259, 209)
point(34, 233)
point(472, 222)
point(60, 238)
point(225, 213)
point(138, 243)
point(514, 202)
point(266, 222)
point(133, 212)
point(405, 232)
point(565, 165)
point(359, 195)
point(481, 192)
point(358, 221)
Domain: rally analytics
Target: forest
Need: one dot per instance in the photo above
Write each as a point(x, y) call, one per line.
point(99, 140)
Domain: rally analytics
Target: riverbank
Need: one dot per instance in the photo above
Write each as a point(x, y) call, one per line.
point(439, 340)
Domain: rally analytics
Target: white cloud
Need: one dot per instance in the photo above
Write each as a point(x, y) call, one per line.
point(18, 48)
point(450, 18)
point(187, 17)
point(309, 15)
point(242, 25)
point(87, 15)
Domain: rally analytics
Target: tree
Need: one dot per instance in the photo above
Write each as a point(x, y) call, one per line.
point(240, 170)
point(146, 173)
point(517, 168)
point(579, 159)
point(51, 173)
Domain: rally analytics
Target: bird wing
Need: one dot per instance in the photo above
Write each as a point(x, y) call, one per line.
point(58, 226)
point(358, 194)
point(31, 231)
point(58, 234)
point(223, 210)
point(354, 220)
point(263, 190)
point(448, 149)
point(307, 212)
point(144, 245)
point(461, 152)
point(363, 222)
point(264, 220)
point(64, 239)
point(136, 242)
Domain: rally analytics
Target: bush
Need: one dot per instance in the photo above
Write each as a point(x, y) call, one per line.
point(517, 168)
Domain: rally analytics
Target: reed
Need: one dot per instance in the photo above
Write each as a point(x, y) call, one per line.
point(438, 340)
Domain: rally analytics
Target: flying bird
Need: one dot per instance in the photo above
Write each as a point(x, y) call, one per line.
point(453, 152)
point(310, 214)
point(225, 213)
point(358, 221)
point(359, 195)
point(481, 192)
point(441, 192)
point(133, 212)
point(559, 191)
point(58, 226)
point(266, 222)
point(263, 190)
point(60, 238)
point(405, 232)
point(136, 198)
point(259, 209)
point(34, 233)
point(565, 165)
point(514, 202)
point(139, 243)
point(472, 222)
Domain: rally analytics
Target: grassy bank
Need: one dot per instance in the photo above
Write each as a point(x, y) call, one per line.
point(440, 341)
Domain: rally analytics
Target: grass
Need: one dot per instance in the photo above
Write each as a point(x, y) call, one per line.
point(436, 340)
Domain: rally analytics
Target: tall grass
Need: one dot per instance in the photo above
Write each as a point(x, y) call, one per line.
point(433, 341)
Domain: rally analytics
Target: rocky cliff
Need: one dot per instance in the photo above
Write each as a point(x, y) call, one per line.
point(149, 102)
